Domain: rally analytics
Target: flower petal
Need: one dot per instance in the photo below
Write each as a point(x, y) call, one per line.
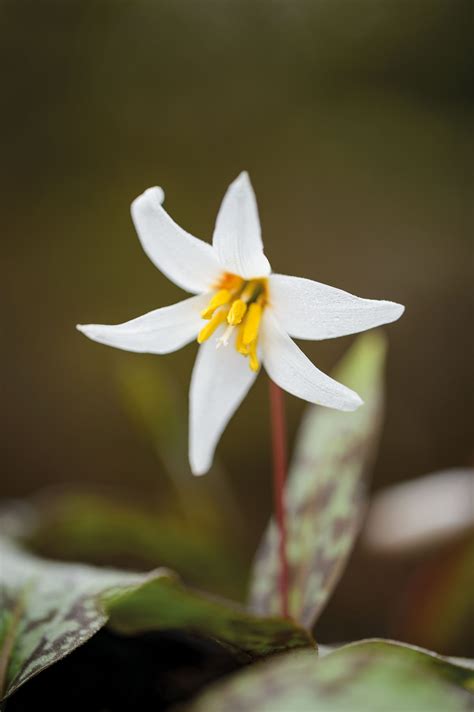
point(221, 379)
point(311, 310)
point(287, 365)
point(237, 236)
point(158, 332)
point(188, 262)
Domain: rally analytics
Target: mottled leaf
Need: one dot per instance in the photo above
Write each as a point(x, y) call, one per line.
point(325, 491)
point(166, 604)
point(48, 608)
point(373, 675)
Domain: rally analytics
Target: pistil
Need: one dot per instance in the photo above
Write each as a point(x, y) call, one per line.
point(241, 304)
point(224, 339)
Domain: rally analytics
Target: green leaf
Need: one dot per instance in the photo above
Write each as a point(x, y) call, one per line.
point(153, 402)
point(156, 406)
point(79, 524)
point(48, 608)
point(372, 675)
point(164, 603)
point(325, 491)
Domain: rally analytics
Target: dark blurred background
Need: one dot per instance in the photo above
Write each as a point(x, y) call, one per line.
point(353, 118)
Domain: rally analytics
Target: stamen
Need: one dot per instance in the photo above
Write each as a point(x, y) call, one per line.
point(253, 360)
point(241, 304)
point(239, 344)
point(221, 297)
point(237, 312)
point(252, 324)
point(208, 330)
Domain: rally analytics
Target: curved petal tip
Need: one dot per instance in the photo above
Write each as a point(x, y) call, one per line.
point(353, 402)
point(89, 330)
point(199, 471)
point(243, 177)
point(398, 310)
point(155, 196)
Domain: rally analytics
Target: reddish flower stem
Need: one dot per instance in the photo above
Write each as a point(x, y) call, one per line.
point(278, 425)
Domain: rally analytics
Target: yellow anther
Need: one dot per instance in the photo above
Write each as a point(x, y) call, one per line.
point(252, 323)
point(239, 344)
point(211, 326)
point(253, 358)
point(241, 304)
point(236, 312)
point(218, 300)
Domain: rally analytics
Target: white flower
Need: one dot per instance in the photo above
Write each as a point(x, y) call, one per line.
point(241, 307)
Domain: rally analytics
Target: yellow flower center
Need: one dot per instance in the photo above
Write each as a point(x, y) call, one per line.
point(240, 303)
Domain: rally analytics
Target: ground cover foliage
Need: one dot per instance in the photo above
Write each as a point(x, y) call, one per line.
point(89, 636)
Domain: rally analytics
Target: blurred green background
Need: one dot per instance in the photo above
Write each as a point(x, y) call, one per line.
point(353, 118)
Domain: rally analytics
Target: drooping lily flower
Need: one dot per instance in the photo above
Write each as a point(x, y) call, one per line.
point(242, 316)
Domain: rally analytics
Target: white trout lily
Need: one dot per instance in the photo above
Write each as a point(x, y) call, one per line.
point(242, 315)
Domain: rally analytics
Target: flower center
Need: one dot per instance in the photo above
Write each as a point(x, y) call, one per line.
point(240, 304)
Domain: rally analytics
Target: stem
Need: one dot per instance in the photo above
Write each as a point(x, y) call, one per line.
point(278, 425)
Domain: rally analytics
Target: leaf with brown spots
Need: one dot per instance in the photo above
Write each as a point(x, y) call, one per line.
point(49, 608)
point(372, 675)
point(325, 491)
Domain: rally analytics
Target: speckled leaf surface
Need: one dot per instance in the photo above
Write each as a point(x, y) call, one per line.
point(48, 608)
point(165, 603)
point(325, 491)
point(367, 676)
